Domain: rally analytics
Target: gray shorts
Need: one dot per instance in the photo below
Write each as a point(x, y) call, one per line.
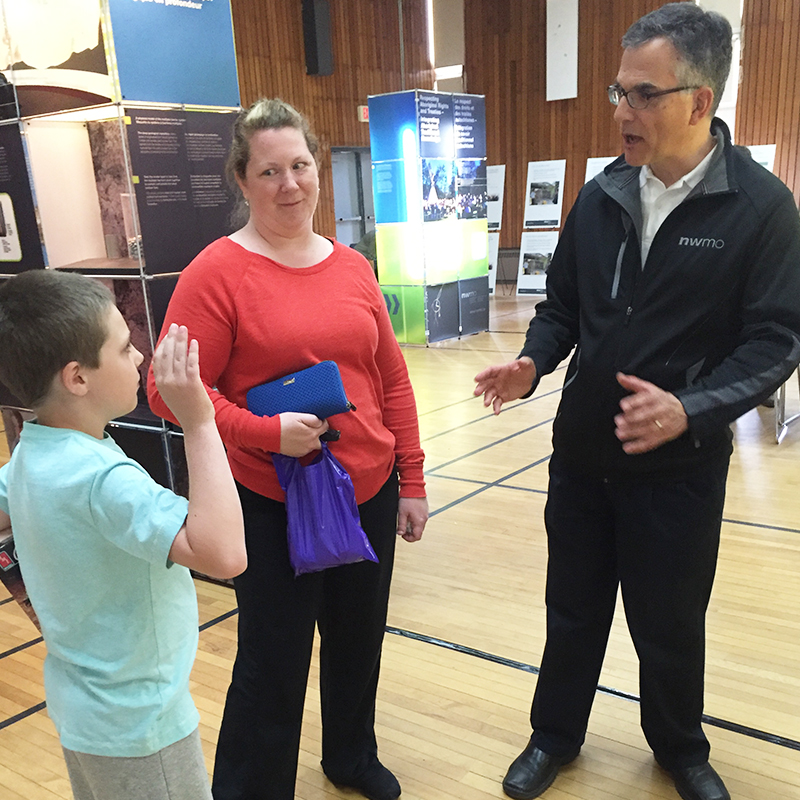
point(178, 772)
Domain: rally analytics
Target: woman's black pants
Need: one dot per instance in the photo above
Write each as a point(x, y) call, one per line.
point(260, 734)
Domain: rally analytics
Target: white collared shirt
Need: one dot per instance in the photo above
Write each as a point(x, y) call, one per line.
point(658, 201)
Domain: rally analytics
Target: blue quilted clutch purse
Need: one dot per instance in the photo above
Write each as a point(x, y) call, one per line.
point(315, 390)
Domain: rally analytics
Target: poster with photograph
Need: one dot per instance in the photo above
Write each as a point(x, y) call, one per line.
point(438, 189)
point(55, 56)
point(535, 254)
point(544, 193)
point(495, 187)
point(594, 166)
point(471, 188)
point(494, 251)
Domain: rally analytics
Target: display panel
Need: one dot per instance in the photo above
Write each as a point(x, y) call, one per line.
point(441, 311)
point(393, 192)
point(473, 305)
point(435, 125)
point(175, 51)
point(535, 254)
point(66, 190)
point(443, 248)
point(495, 186)
point(469, 120)
point(430, 189)
point(400, 257)
point(55, 56)
point(391, 118)
point(178, 164)
point(406, 306)
point(20, 248)
point(474, 237)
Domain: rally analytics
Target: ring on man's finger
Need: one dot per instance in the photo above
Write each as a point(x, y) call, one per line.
point(658, 425)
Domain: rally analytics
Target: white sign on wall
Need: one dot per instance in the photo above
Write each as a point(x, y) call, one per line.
point(544, 193)
point(562, 49)
point(763, 154)
point(494, 251)
point(594, 166)
point(535, 254)
point(495, 186)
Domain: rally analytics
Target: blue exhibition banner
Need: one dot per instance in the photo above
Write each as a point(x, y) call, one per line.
point(436, 127)
point(175, 51)
point(389, 192)
point(469, 116)
point(393, 126)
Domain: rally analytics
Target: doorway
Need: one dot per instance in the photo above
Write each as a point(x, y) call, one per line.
point(353, 207)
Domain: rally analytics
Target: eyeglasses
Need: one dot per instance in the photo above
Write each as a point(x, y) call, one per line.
point(640, 98)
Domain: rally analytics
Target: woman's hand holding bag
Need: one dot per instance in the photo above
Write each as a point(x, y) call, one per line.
point(323, 525)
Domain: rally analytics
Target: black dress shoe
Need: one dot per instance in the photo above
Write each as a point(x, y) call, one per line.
point(699, 783)
point(532, 772)
point(375, 783)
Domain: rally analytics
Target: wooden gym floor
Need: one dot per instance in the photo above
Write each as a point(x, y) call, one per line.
point(466, 621)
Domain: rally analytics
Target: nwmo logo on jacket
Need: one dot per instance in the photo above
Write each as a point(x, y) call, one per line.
point(690, 241)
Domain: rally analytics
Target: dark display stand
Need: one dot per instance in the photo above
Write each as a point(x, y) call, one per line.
point(20, 248)
point(158, 173)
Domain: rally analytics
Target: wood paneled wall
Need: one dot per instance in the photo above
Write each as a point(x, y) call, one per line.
point(768, 107)
point(505, 60)
point(366, 57)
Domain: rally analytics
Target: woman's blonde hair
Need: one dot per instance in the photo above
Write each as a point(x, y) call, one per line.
point(265, 114)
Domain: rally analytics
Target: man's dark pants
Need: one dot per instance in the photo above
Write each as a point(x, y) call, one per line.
point(659, 541)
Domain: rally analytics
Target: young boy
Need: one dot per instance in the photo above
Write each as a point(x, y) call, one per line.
point(100, 543)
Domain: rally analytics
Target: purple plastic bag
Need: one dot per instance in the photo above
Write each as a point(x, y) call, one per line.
point(323, 526)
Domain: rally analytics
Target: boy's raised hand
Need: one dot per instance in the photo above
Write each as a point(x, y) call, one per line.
point(176, 369)
point(212, 538)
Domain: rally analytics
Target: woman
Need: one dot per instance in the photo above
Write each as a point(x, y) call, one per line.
point(271, 299)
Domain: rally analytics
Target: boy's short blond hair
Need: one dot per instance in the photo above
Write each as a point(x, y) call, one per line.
point(48, 319)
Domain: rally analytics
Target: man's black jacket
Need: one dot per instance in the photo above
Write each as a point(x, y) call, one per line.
point(713, 316)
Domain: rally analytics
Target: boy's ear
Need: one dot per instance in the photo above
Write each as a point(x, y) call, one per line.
point(73, 379)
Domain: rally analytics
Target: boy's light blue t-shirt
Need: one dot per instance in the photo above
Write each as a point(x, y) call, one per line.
point(93, 532)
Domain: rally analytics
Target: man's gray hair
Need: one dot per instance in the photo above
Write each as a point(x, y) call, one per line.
point(702, 39)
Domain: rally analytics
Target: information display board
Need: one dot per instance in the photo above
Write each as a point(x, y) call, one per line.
point(544, 193)
point(535, 254)
point(178, 165)
point(175, 51)
point(20, 247)
point(430, 192)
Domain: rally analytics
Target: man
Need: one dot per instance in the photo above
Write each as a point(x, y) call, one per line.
point(677, 276)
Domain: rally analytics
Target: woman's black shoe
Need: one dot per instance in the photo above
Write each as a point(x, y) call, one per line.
point(375, 783)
